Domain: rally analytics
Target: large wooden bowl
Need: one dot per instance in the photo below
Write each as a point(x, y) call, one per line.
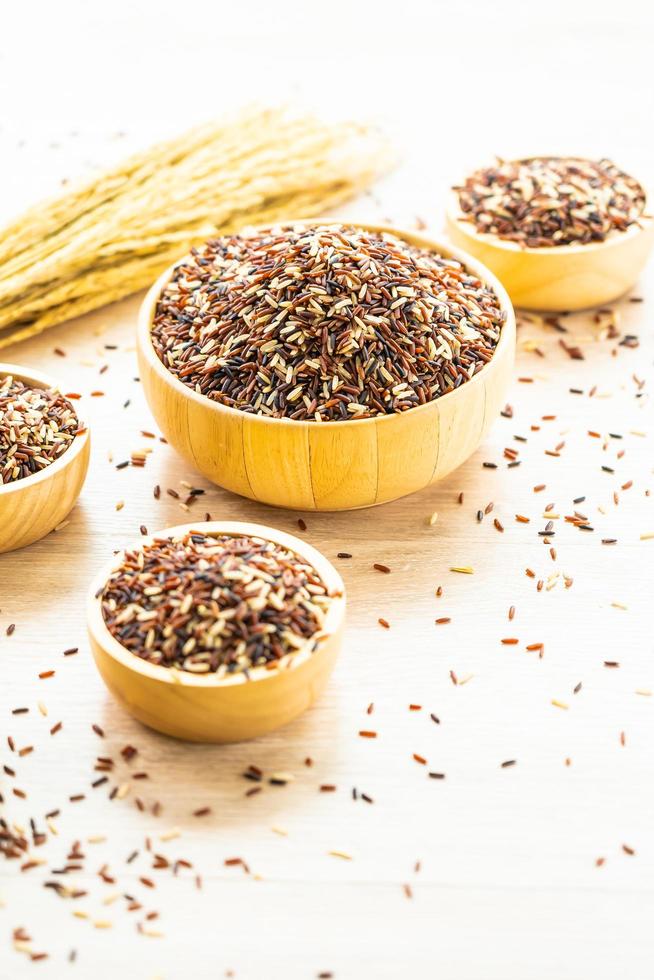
point(329, 465)
point(562, 277)
point(32, 507)
point(202, 707)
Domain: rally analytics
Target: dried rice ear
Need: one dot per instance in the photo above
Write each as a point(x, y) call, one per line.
point(111, 235)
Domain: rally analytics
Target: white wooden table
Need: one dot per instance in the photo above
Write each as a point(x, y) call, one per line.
point(490, 873)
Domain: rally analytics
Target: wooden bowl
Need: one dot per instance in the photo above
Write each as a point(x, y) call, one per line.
point(329, 465)
point(202, 707)
point(32, 507)
point(563, 277)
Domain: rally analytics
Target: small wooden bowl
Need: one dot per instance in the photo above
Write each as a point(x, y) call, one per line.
point(563, 277)
point(32, 507)
point(329, 465)
point(202, 707)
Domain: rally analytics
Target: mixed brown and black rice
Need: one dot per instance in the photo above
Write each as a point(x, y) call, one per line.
point(324, 323)
point(549, 201)
point(215, 604)
point(37, 425)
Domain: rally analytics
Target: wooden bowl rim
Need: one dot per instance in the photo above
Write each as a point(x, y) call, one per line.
point(507, 333)
point(66, 459)
point(167, 675)
point(455, 214)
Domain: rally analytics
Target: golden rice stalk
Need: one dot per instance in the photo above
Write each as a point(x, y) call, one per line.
point(112, 234)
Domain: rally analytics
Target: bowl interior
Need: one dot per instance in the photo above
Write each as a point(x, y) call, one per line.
point(327, 572)
point(148, 308)
point(455, 214)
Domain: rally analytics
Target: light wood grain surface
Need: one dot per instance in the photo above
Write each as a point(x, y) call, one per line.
point(500, 862)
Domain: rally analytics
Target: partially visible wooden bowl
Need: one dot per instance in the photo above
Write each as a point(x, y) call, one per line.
point(202, 707)
point(32, 507)
point(329, 465)
point(560, 277)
